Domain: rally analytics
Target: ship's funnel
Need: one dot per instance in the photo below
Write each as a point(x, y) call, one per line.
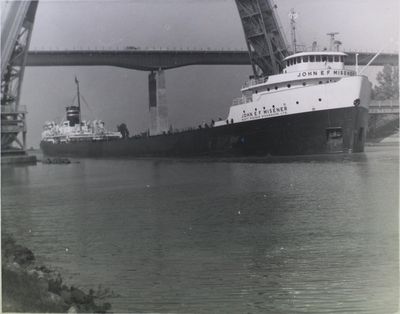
point(73, 115)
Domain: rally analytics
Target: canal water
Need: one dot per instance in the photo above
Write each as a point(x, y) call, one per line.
point(313, 235)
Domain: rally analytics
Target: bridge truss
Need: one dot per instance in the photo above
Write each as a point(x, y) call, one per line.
point(264, 37)
point(16, 31)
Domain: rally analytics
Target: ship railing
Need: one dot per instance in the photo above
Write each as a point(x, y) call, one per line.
point(255, 81)
point(241, 101)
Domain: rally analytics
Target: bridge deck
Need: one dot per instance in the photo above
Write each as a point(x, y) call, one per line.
point(150, 60)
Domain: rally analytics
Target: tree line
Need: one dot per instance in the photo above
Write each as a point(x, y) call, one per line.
point(387, 84)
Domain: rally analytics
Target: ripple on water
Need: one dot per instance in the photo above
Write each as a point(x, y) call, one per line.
point(311, 237)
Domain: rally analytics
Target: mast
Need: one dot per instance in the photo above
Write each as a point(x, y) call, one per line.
point(332, 40)
point(79, 102)
point(293, 16)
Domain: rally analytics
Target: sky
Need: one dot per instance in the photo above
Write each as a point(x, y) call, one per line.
point(194, 93)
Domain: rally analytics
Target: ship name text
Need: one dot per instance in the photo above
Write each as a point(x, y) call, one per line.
point(325, 73)
point(264, 113)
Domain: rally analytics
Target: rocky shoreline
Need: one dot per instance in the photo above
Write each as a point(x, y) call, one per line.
point(28, 287)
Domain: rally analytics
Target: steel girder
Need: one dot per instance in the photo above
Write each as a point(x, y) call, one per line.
point(16, 34)
point(264, 37)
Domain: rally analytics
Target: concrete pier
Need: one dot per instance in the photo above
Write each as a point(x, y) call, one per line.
point(158, 103)
point(17, 157)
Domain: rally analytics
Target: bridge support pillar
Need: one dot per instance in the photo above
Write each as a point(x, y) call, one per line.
point(158, 103)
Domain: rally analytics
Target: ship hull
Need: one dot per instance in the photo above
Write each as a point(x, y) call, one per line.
point(316, 132)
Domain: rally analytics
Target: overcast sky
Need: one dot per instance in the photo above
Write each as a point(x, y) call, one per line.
point(195, 93)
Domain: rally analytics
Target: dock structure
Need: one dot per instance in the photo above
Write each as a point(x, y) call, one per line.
point(383, 119)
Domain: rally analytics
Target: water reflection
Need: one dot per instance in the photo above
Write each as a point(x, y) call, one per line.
point(313, 235)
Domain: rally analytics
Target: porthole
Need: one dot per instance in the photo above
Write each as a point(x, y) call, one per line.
point(244, 111)
point(320, 82)
point(288, 85)
point(304, 83)
point(268, 89)
point(276, 87)
point(319, 99)
point(297, 102)
point(263, 108)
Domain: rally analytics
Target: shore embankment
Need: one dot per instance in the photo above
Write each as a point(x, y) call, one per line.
point(28, 287)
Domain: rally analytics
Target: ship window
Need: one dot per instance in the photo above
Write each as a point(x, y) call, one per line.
point(244, 111)
point(304, 83)
point(268, 89)
point(264, 108)
point(318, 58)
point(330, 58)
point(294, 61)
point(288, 85)
point(320, 82)
point(312, 58)
point(336, 58)
point(323, 58)
point(319, 99)
point(305, 58)
point(276, 87)
point(341, 58)
point(298, 60)
point(297, 102)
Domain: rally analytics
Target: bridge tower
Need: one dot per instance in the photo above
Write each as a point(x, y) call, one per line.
point(264, 36)
point(16, 30)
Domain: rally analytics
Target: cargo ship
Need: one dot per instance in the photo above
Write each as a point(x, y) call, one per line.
point(314, 106)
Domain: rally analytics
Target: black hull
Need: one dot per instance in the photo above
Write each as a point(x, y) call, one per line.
point(317, 132)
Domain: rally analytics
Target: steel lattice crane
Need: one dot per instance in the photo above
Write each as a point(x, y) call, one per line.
point(264, 37)
point(16, 30)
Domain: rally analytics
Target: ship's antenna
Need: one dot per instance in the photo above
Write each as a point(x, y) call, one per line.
point(79, 102)
point(332, 40)
point(357, 63)
point(293, 16)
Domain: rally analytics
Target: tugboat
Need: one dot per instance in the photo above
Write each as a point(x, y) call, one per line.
point(315, 106)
